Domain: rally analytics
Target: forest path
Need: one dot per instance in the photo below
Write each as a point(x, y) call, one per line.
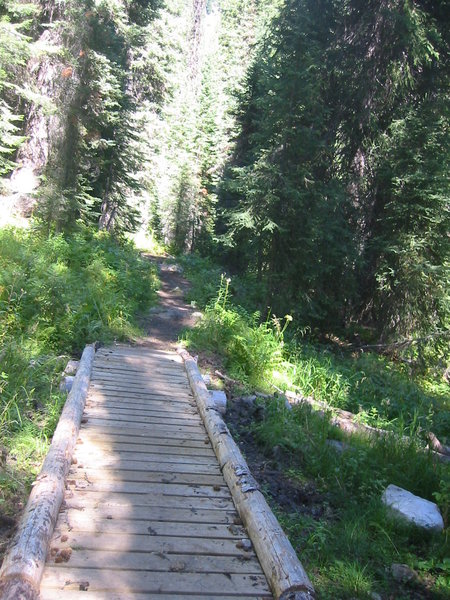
point(164, 322)
point(147, 513)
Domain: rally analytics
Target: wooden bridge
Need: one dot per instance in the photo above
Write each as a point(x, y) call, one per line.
point(146, 512)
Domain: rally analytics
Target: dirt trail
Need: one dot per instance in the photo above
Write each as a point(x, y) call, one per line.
point(164, 322)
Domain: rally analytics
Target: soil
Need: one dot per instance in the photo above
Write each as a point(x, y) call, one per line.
point(164, 322)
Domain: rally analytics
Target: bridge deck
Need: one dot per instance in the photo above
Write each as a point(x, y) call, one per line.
point(147, 513)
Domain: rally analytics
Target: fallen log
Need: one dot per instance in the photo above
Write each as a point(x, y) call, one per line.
point(345, 421)
point(283, 570)
point(24, 562)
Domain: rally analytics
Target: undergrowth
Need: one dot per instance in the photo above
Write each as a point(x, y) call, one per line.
point(57, 294)
point(379, 391)
point(348, 547)
point(350, 543)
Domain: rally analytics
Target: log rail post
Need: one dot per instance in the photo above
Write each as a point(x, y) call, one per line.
point(283, 570)
point(24, 562)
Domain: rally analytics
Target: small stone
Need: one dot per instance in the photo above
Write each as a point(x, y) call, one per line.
point(248, 400)
point(71, 367)
point(66, 384)
point(245, 545)
point(219, 400)
point(206, 379)
point(340, 447)
point(403, 573)
point(375, 596)
point(287, 404)
point(413, 509)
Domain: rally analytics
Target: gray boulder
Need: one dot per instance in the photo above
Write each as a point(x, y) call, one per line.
point(413, 509)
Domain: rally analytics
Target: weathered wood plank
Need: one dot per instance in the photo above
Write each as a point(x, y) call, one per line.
point(140, 561)
point(88, 499)
point(151, 543)
point(139, 375)
point(145, 382)
point(140, 463)
point(96, 438)
point(144, 430)
point(163, 489)
point(174, 389)
point(131, 368)
point(144, 397)
point(105, 415)
point(81, 521)
point(139, 352)
point(142, 581)
point(63, 594)
point(120, 410)
point(138, 391)
point(157, 513)
point(96, 475)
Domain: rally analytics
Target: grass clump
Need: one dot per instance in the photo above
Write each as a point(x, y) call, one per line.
point(57, 293)
point(345, 537)
point(252, 350)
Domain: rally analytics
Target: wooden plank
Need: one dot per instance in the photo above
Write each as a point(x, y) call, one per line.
point(173, 388)
point(129, 390)
point(161, 489)
point(62, 594)
point(157, 513)
point(116, 442)
point(140, 463)
point(148, 454)
point(146, 374)
point(140, 352)
point(144, 582)
point(121, 367)
point(155, 562)
point(144, 430)
point(143, 379)
point(121, 410)
point(79, 521)
point(105, 415)
point(142, 397)
point(122, 475)
point(149, 543)
point(88, 499)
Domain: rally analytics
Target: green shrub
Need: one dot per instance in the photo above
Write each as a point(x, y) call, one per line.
point(57, 294)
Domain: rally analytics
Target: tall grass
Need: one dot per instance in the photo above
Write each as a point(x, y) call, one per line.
point(379, 391)
point(57, 293)
point(349, 544)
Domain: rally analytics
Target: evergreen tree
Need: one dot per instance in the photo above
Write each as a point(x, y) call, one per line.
point(336, 191)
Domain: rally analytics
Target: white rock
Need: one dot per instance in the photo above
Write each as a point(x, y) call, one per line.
point(71, 367)
point(413, 509)
point(66, 383)
point(207, 379)
point(219, 400)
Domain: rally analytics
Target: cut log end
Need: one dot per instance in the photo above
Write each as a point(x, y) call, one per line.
point(18, 589)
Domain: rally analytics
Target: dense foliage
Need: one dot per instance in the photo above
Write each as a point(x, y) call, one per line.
point(337, 194)
point(328, 485)
point(57, 293)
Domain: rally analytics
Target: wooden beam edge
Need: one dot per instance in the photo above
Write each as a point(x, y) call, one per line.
point(24, 561)
point(284, 572)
